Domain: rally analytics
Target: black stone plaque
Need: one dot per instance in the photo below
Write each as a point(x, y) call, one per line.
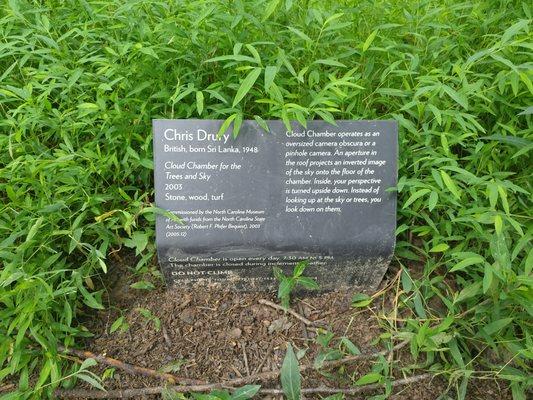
point(272, 199)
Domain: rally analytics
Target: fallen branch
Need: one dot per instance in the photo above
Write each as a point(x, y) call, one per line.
point(128, 393)
point(288, 310)
point(357, 389)
point(131, 369)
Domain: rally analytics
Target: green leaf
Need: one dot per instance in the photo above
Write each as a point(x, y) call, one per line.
point(329, 61)
point(117, 324)
point(492, 191)
point(527, 110)
point(225, 125)
point(146, 313)
point(518, 142)
point(202, 396)
point(34, 229)
point(456, 353)
point(11, 193)
point(467, 262)
point(278, 273)
point(139, 241)
point(372, 377)
point(132, 153)
point(143, 285)
point(407, 282)
point(246, 85)
point(415, 196)
point(450, 184)
point(300, 34)
point(285, 287)
point(433, 200)
point(90, 380)
point(44, 373)
point(270, 9)
point(89, 299)
point(254, 52)
point(369, 40)
point(496, 326)
point(199, 102)
point(270, 74)
point(262, 123)
point(361, 300)
point(328, 355)
point(308, 283)
point(350, 347)
point(441, 247)
point(245, 392)
point(299, 268)
point(325, 338)
point(87, 363)
point(24, 382)
point(149, 52)
point(174, 366)
point(503, 199)
point(233, 57)
point(237, 122)
point(514, 29)
point(468, 292)
point(419, 306)
point(290, 375)
point(499, 250)
point(89, 107)
point(456, 96)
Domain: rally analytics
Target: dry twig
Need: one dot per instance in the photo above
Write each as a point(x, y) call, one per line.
point(304, 326)
point(357, 389)
point(168, 342)
point(7, 387)
point(288, 310)
point(131, 369)
point(245, 357)
point(263, 361)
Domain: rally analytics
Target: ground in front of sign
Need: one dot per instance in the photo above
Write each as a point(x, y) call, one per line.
point(213, 335)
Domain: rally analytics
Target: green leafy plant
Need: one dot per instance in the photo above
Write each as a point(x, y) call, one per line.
point(361, 300)
point(174, 366)
point(150, 317)
point(120, 324)
point(287, 283)
point(333, 349)
point(108, 373)
point(143, 285)
point(291, 381)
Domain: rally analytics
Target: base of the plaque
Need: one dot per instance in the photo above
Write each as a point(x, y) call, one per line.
point(256, 273)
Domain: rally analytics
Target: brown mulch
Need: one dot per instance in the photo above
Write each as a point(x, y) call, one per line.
point(213, 335)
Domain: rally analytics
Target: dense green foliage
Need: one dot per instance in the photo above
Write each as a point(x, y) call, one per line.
point(80, 82)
